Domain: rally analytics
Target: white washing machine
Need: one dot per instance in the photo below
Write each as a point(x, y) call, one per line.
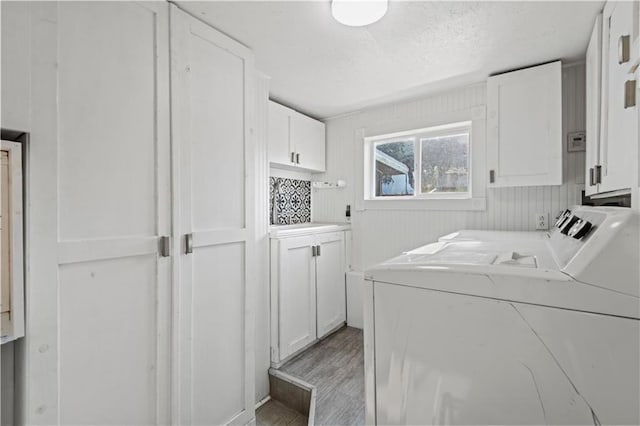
point(488, 327)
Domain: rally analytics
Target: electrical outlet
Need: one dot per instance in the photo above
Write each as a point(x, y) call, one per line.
point(542, 221)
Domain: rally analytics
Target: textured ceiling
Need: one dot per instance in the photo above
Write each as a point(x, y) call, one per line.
point(324, 69)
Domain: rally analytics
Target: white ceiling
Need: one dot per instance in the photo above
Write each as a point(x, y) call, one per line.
point(324, 68)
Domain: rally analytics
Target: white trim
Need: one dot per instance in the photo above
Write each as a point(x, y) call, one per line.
point(474, 200)
point(14, 150)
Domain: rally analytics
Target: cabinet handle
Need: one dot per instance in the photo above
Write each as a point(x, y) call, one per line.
point(598, 172)
point(165, 246)
point(592, 176)
point(629, 94)
point(293, 157)
point(298, 158)
point(318, 251)
point(188, 243)
point(492, 176)
point(313, 251)
point(624, 49)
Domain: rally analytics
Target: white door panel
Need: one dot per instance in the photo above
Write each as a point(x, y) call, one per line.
point(108, 341)
point(620, 132)
point(112, 311)
point(297, 304)
point(213, 367)
point(593, 81)
point(330, 282)
point(524, 126)
point(218, 331)
point(107, 119)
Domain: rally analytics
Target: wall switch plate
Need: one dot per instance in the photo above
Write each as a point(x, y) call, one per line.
point(542, 221)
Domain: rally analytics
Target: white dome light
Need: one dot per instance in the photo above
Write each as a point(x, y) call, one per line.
point(358, 13)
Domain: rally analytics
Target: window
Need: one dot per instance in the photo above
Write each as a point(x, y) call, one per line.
point(425, 163)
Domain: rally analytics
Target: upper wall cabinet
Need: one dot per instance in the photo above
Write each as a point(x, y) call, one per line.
point(612, 132)
point(593, 90)
point(524, 127)
point(295, 140)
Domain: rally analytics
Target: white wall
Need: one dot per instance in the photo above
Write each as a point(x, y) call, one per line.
point(381, 234)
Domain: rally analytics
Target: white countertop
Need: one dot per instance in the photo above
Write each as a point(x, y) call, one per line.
point(279, 231)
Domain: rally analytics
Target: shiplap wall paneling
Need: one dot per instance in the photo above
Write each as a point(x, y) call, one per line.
point(380, 234)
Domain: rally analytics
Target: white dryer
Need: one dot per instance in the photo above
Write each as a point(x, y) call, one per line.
point(488, 327)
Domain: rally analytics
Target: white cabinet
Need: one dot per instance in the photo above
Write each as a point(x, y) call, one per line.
point(296, 276)
point(524, 144)
point(211, 80)
point(593, 105)
point(615, 167)
point(308, 138)
point(307, 291)
point(330, 282)
point(295, 140)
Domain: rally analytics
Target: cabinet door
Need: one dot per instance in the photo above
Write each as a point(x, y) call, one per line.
point(297, 294)
point(308, 139)
point(330, 282)
point(211, 92)
point(593, 67)
point(98, 333)
point(524, 145)
point(280, 150)
point(619, 142)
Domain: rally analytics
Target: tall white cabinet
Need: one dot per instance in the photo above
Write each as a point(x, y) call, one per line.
point(98, 289)
point(211, 78)
point(140, 218)
point(612, 115)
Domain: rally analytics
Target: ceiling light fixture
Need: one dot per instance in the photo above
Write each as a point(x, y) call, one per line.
point(358, 13)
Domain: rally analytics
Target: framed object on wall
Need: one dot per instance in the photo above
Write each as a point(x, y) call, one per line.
point(11, 248)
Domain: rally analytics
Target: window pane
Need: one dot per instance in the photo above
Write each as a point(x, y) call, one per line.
point(445, 164)
point(394, 165)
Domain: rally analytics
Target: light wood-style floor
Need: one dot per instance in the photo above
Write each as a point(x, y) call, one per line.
point(335, 366)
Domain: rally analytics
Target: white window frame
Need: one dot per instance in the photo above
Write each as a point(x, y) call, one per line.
point(416, 136)
point(16, 323)
point(440, 124)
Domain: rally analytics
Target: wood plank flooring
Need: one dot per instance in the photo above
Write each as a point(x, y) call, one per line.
point(335, 366)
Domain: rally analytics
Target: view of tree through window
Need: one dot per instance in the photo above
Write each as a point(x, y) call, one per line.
point(445, 164)
point(394, 165)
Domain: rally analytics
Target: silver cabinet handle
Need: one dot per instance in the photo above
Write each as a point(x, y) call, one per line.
point(592, 176)
point(629, 94)
point(293, 157)
point(317, 250)
point(298, 158)
point(188, 243)
point(598, 173)
point(624, 49)
point(313, 251)
point(492, 176)
point(165, 246)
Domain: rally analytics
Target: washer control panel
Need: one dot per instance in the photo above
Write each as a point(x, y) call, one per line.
point(572, 225)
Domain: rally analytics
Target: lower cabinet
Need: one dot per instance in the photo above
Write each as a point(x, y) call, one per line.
point(307, 291)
